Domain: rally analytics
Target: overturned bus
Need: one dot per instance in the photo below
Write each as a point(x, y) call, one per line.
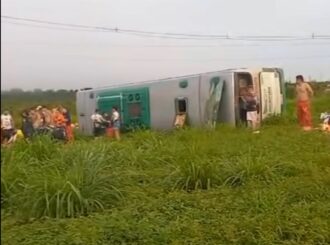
point(203, 99)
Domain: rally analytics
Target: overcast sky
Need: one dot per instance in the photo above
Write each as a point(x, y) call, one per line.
point(52, 59)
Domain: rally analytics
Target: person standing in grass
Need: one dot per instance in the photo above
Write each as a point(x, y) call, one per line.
point(251, 108)
point(304, 93)
point(59, 121)
point(68, 126)
point(107, 118)
point(7, 127)
point(27, 124)
point(58, 118)
point(98, 122)
point(116, 122)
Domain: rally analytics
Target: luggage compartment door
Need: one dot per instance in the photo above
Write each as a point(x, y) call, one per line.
point(133, 106)
point(105, 104)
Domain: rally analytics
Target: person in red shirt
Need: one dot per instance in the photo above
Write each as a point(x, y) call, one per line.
point(304, 94)
point(59, 124)
point(68, 124)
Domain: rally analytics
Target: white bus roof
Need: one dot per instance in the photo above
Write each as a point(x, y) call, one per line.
point(128, 84)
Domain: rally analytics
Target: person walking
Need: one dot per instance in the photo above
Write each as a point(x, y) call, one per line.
point(116, 122)
point(304, 93)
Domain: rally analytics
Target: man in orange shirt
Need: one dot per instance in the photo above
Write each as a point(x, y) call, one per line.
point(68, 124)
point(58, 118)
point(59, 123)
point(304, 93)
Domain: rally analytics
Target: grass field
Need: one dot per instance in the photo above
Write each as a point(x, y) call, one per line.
point(193, 186)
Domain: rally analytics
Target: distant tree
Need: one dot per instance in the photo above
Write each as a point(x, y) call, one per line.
point(37, 90)
point(16, 91)
point(62, 91)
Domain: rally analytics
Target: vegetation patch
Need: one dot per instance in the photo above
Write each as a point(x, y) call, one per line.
point(192, 186)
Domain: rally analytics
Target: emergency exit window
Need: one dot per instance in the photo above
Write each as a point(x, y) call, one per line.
point(135, 109)
point(181, 105)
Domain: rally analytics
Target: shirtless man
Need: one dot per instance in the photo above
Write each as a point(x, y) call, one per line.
point(304, 93)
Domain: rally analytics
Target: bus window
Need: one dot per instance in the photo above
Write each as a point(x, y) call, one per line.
point(181, 105)
point(180, 112)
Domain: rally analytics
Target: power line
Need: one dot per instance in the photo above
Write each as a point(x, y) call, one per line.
point(133, 59)
point(168, 35)
point(49, 27)
point(170, 46)
point(98, 30)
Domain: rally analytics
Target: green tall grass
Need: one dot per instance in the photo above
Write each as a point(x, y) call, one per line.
point(52, 180)
point(192, 186)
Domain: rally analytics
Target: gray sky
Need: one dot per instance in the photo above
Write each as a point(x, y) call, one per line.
point(52, 58)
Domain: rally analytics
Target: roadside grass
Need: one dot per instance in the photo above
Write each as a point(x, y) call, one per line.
point(192, 186)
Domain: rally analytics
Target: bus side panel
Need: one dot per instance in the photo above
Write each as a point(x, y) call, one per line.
point(162, 101)
point(90, 106)
point(81, 111)
point(283, 94)
point(271, 96)
point(226, 113)
point(227, 105)
point(206, 89)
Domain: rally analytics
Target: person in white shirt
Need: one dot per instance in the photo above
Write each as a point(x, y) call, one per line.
point(116, 122)
point(98, 123)
point(7, 127)
point(252, 108)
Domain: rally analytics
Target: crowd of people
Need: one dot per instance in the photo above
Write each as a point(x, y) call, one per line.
point(55, 122)
point(106, 123)
point(249, 106)
point(40, 120)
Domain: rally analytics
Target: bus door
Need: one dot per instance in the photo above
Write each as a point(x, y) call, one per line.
point(270, 94)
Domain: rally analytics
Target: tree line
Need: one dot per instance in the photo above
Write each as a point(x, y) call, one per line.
point(16, 100)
